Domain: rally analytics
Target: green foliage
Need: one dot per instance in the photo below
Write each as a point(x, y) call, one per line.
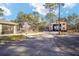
point(1, 12)
point(50, 7)
point(42, 26)
point(53, 6)
point(72, 19)
point(33, 19)
point(77, 25)
point(21, 17)
point(50, 16)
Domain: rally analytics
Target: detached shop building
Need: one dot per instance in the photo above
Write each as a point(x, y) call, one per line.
point(58, 26)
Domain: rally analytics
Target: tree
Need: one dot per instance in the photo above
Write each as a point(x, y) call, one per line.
point(39, 22)
point(51, 17)
point(72, 20)
point(77, 26)
point(53, 6)
point(1, 12)
point(21, 17)
point(33, 19)
point(37, 16)
point(50, 7)
point(42, 25)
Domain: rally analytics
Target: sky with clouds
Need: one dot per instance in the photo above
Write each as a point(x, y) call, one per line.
point(11, 10)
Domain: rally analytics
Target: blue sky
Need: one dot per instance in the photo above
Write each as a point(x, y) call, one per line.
point(15, 8)
point(12, 9)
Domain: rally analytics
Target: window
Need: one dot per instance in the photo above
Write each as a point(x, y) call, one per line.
point(63, 27)
point(63, 23)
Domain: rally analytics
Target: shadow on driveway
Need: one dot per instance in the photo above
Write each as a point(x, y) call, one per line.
point(41, 46)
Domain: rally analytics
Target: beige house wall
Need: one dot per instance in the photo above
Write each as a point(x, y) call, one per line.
point(63, 25)
point(15, 30)
point(0, 28)
point(14, 25)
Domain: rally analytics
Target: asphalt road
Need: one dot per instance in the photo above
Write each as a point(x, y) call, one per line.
point(42, 45)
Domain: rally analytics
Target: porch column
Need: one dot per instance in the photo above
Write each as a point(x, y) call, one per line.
point(0, 28)
point(14, 30)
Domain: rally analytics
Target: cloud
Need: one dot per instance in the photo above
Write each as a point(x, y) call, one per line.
point(67, 8)
point(6, 12)
point(5, 4)
point(69, 5)
point(39, 7)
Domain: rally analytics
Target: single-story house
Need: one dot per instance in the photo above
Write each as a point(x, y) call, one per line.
point(7, 27)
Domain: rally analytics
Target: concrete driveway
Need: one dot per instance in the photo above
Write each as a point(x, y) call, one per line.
point(42, 45)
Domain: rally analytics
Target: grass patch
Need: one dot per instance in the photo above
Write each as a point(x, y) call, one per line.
point(12, 38)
